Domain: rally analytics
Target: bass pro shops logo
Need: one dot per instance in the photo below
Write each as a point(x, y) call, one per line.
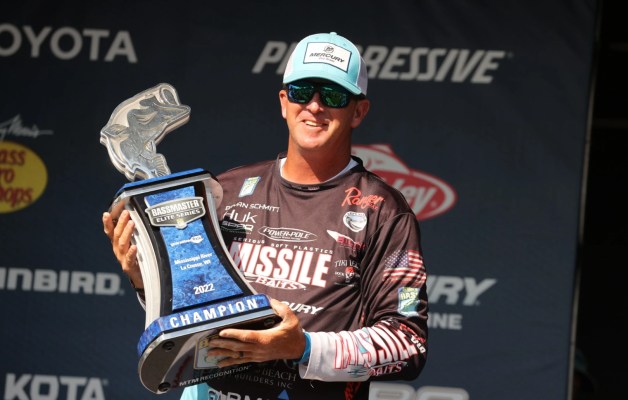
point(427, 195)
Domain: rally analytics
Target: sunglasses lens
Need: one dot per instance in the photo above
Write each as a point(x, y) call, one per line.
point(300, 92)
point(331, 95)
point(334, 97)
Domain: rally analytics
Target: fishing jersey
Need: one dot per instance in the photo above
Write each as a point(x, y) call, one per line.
point(345, 256)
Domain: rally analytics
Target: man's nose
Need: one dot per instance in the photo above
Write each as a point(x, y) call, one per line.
point(315, 105)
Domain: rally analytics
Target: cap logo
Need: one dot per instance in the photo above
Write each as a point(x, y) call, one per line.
point(327, 53)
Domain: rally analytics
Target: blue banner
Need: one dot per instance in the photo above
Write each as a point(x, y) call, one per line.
point(479, 117)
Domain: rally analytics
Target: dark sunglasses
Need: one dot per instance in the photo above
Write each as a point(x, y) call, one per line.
point(332, 95)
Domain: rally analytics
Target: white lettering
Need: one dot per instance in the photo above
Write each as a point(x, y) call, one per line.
point(122, 46)
point(67, 43)
point(95, 35)
point(451, 289)
point(444, 321)
point(405, 63)
point(400, 391)
point(286, 268)
point(272, 53)
point(374, 56)
point(488, 63)
point(35, 39)
point(51, 387)
point(47, 281)
point(73, 36)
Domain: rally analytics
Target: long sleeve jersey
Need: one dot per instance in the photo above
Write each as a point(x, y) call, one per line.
point(345, 255)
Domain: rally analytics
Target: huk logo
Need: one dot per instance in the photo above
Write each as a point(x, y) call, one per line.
point(427, 195)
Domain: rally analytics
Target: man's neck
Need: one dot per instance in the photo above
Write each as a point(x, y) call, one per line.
point(312, 170)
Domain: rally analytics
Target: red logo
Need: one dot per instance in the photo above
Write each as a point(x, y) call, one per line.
point(354, 197)
point(428, 195)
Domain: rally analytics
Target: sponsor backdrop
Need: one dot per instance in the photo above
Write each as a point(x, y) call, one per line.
point(479, 116)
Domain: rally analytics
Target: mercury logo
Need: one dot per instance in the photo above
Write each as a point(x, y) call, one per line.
point(428, 195)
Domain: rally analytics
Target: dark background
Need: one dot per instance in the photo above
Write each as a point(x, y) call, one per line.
point(603, 303)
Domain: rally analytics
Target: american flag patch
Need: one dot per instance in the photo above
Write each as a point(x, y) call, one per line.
point(405, 266)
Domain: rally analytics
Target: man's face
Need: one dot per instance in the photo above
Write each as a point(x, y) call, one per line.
point(313, 126)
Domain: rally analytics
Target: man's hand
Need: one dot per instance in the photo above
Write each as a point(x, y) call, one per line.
point(120, 232)
point(284, 341)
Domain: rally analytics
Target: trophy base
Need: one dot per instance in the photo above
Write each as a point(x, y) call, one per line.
point(176, 353)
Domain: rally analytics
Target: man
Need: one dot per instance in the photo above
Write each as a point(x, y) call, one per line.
point(318, 213)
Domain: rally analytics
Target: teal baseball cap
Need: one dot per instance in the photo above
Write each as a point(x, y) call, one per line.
point(328, 56)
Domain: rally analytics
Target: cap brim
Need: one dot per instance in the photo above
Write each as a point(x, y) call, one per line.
point(316, 74)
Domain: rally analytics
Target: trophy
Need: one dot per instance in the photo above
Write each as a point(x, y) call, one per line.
point(192, 287)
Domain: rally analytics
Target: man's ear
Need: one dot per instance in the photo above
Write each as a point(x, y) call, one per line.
point(283, 99)
point(360, 111)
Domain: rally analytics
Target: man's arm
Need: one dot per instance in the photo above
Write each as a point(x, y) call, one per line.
point(392, 344)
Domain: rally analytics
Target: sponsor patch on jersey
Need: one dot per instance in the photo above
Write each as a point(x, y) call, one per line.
point(408, 300)
point(287, 234)
point(248, 187)
point(346, 241)
point(351, 274)
point(405, 266)
point(356, 221)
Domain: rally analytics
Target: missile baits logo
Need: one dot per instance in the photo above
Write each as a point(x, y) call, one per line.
point(428, 195)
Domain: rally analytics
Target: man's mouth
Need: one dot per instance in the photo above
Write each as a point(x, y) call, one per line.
point(312, 123)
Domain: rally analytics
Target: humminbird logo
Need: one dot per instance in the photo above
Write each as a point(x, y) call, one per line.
point(49, 281)
point(404, 63)
point(177, 212)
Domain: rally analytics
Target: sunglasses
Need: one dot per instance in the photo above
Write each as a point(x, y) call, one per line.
point(332, 95)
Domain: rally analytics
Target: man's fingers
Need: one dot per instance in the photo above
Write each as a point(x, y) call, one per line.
point(131, 255)
point(125, 237)
point(121, 225)
point(281, 309)
point(107, 223)
point(242, 335)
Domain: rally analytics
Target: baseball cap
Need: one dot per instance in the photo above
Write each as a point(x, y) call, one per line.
point(328, 56)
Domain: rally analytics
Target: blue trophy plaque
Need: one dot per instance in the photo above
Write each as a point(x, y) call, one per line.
point(192, 288)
